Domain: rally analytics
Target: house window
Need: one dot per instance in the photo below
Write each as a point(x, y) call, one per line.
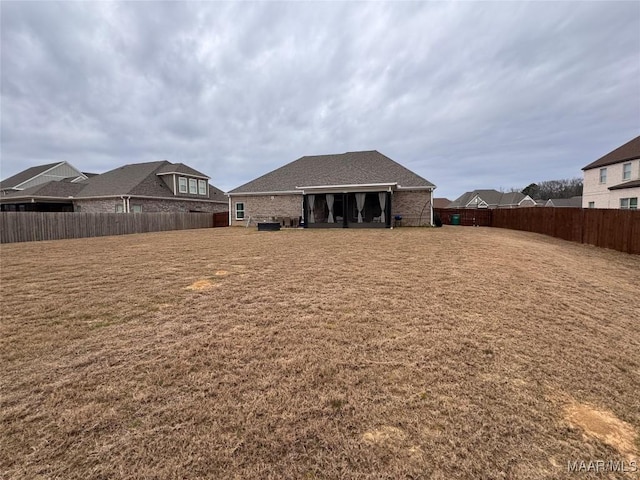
point(119, 208)
point(630, 203)
point(240, 211)
point(193, 186)
point(136, 208)
point(202, 187)
point(603, 175)
point(626, 171)
point(592, 204)
point(182, 185)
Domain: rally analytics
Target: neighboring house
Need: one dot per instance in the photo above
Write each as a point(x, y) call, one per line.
point(613, 181)
point(492, 199)
point(441, 202)
point(140, 187)
point(573, 202)
point(354, 189)
point(41, 174)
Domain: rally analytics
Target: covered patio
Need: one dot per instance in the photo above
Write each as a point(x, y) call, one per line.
point(348, 206)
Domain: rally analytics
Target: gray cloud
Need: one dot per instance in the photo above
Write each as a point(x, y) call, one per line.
point(469, 95)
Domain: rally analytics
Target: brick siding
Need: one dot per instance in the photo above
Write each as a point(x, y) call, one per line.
point(266, 207)
point(413, 205)
point(108, 205)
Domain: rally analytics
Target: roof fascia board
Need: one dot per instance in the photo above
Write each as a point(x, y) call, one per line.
point(612, 162)
point(353, 185)
point(184, 175)
point(526, 198)
point(622, 186)
point(281, 192)
point(146, 197)
point(33, 198)
point(421, 187)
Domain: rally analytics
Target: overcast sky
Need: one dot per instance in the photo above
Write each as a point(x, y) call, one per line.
point(468, 95)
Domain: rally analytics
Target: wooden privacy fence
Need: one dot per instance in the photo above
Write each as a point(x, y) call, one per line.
point(615, 229)
point(470, 217)
point(31, 226)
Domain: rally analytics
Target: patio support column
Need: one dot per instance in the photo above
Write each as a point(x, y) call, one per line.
point(345, 210)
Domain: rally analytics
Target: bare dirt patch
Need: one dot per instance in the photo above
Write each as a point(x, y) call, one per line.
point(606, 427)
point(201, 285)
point(451, 350)
point(385, 434)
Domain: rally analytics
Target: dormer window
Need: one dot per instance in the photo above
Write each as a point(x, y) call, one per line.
point(193, 186)
point(182, 185)
point(202, 187)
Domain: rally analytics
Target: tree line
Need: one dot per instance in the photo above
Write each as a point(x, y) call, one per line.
point(564, 188)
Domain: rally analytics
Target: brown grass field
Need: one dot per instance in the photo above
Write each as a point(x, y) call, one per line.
point(445, 353)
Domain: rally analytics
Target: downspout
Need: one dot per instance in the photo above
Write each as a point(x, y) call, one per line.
point(124, 204)
point(230, 211)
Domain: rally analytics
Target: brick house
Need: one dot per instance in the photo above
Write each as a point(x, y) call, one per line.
point(613, 181)
point(140, 187)
point(492, 199)
point(354, 189)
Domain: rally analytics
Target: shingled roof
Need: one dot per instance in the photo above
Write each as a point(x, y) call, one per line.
point(628, 151)
point(491, 197)
point(180, 168)
point(137, 179)
point(25, 175)
point(631, 184)
point(53, 188)
point(351, 168)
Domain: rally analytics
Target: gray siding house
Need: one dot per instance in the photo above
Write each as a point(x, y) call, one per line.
point(353, 189)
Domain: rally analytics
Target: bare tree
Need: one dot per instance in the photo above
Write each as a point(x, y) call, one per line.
point(564, 188)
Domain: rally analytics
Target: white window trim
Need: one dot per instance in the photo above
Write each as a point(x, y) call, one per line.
point(628, 202)
point(236, 210)
point(194, 182)
point(202, 183)
point(603, 170)
point(624, 165)
point(186, 185)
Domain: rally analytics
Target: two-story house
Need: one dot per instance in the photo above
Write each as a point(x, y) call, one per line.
point(613, 181)
point(138, 187)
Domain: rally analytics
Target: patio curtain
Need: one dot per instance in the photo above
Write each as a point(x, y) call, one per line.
point(330, 206)
point(360, 203)
point(311, 200)
point(382, 196)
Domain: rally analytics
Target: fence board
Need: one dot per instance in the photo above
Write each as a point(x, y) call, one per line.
point(32, 226)
point(469, 217)
point(615, 229)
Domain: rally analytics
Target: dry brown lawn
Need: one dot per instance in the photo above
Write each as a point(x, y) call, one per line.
point(228, 353)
